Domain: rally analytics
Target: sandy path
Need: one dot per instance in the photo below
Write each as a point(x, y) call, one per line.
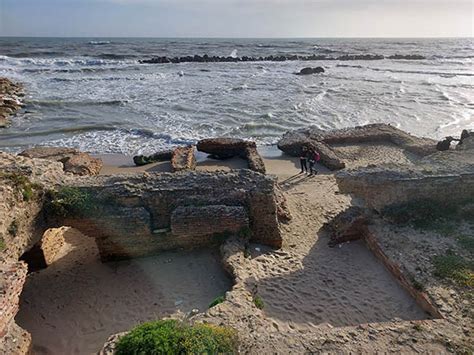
point(74, 305)
point(307, 284)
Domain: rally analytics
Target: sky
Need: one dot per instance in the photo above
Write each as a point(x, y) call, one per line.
point(237, 18)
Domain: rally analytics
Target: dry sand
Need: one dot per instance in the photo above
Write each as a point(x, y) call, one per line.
point(72, 306)
point(364, 154)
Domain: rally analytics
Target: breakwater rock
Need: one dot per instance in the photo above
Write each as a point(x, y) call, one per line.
point(274, 58)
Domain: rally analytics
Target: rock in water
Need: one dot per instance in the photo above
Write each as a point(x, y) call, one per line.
point(309, 71)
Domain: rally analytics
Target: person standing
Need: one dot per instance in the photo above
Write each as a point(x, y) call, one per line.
point(303, 160)
point(313, 159)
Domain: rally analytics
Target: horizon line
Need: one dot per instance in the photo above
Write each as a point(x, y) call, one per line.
point(215, 37)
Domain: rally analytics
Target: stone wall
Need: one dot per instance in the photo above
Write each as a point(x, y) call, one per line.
point(380, 188)
point(208, 220)
point(143, 214)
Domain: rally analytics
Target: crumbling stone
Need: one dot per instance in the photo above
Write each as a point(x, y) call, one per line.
point(225, 148)
point(74, 161)
point(183, 158)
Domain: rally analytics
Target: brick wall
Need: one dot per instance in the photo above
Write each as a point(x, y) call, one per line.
point(143, 214)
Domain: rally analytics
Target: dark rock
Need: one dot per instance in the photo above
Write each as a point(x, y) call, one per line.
point(407, 56)
point(309, 71)
point(225, 148)
point(164, 155)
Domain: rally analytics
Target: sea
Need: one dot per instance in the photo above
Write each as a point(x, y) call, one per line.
point(95, 95)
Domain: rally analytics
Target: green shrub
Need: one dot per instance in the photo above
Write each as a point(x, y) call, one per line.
point(217, 301)
point(70, 201)
point(454, 267)
point(2, 244)
point(174, 337)
point(258, 302)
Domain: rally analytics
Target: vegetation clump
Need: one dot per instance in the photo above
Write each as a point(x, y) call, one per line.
point(70, 201)
point(22, 184)
point(175, 337)
point(217, 301)
point(427, 214)
point(2, 244)
point(454, 267)
point(258, 302)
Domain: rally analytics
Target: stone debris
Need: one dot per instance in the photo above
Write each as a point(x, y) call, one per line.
point(74, 161)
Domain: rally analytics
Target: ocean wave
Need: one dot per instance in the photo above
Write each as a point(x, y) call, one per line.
point(99, 43)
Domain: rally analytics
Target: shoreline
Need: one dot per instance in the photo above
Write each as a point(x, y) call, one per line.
point(277, 163)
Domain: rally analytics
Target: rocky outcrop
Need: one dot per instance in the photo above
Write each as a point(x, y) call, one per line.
point(183, 158)
point(10, 100)
point(292, 142)
point(13, 339)
point(309, 71)
point(225, 148)
point(43, 253)
point(74, 161)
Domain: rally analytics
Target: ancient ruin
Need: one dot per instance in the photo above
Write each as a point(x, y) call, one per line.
point(317, 262)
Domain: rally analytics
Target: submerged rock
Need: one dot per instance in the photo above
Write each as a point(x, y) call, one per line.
point(309, 71)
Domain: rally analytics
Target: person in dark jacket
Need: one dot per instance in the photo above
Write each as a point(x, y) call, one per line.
point(303, 160)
